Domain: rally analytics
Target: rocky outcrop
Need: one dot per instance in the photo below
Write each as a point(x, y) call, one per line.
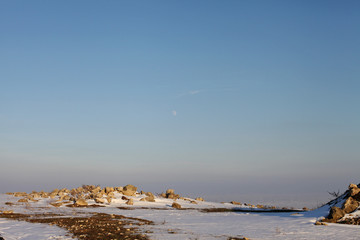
point(350, 204)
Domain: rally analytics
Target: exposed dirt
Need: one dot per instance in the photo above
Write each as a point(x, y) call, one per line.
point(352, 221)
point(97, 226)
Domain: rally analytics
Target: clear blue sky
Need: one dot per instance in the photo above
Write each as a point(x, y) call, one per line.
point(254, 95)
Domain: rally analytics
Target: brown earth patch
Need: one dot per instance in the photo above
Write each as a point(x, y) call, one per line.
point(97, 226)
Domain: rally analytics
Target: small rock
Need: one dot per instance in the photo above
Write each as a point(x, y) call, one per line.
point(235, 203)
point(81, 202)
point(130, 202)
point(23, 200)
point(8, 212)
point(56, 204)
point(199, 199)
point(99, 200)
point(124, 198)
point(176, 205)
point(320, 223)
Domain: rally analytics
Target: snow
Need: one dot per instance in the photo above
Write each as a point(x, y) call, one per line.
point(14, 230)
point(183, 224)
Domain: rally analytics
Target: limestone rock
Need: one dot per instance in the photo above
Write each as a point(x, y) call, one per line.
point(129, 190)
point(170, 191)
point(99, 200)
point(130, 202)
point(199, 199)
point(109, 189)
point(81, 202)
point(56, 204)
point(334, 215)
point(235, 203)
point(23, 200)
point(350, 205)
point(8, 212)
point(176, 205)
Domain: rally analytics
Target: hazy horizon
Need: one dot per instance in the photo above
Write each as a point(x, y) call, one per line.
point(218, 98)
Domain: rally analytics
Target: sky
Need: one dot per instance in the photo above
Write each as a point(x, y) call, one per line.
point(208, 97)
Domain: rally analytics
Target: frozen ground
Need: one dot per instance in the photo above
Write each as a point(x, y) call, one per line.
point(182, 224)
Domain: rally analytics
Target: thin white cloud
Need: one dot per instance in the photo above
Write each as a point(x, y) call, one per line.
point(192, 92)
point(174, 113)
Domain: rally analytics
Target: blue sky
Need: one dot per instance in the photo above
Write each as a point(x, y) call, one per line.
point(195, 95)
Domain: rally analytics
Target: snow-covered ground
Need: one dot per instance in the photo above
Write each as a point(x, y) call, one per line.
point(191, 223)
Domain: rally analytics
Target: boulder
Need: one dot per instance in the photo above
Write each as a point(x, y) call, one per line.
point(334, 215)
point(235, 203)
point(350, 205)
point(150, 197)
point(99, 200)
point(170, 191)
point(199, 199)
point(23, 200)
point(109, 190)
point(108, 199)
point(176, 205)
point(351, 186)
point(81, 202)
point(129, 190)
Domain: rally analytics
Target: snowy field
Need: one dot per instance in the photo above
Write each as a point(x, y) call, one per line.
point(187, 223)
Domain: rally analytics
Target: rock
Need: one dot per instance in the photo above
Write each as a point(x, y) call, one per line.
point(150, 197)
point(81, 202)
point(119, 189)
point(56, 204)
point(99, 200)
point(130, 202)
point(108, 199)
point(350, 205)
point(8, 212)
point(334, 215)
point(193, 202)
point(124, 198)
point(20, 194)
point(170, 191)
point(199, 199)
point(129, 190)
point(23, 200)
point(163, 195)
point(235, 203)
point(351, 186)
point(320, 223)
point(176, 205)
point(109, 189)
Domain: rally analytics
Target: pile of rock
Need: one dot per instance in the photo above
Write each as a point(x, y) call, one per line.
point(170, 194)
point(351, 202)
point(79, 196)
